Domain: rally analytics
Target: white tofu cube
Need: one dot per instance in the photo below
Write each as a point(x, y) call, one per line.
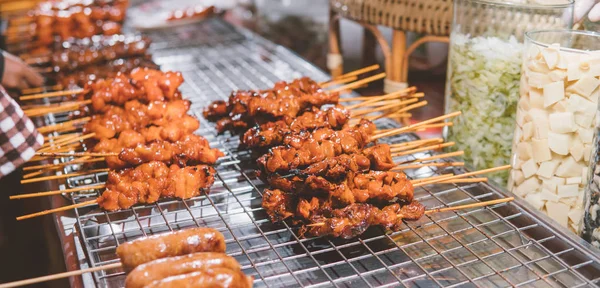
point(594, 63)
point(576, 149)
point(550, 55)
point(547, 169)
point(560, 106)
point(563, 122)
point(584, 173)
point(584, 86)
point(517, 176)
point(586, 135)
point(558, 180)
point(536, 98)
point(524, 103)
point(538, 80)
point(535, 200)
point(527, 131)
point(573, 72)
point(573, 180)
point(533, 52)
point(516, 163)
point(524, 150)
point(554, 92)
point(548, 196)
point(530, 185)
point(587, 152)
point(559, 212)
point(521, 117)
point(576, 215)
point(569, 201)
point(584, 120)
point(541, 150)
point(575, 103)
point(559, 143)
point(557, 75)
point(529, 168)
point(549, 185)
point(568, 191)
point(568, 168)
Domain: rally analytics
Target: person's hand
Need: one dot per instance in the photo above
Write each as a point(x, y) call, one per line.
point(582, 7)
point(18, 75)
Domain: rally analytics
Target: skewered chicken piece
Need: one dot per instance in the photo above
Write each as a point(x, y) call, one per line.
point(151, 181)
point(246, 108)
point(95, 51)
point(272, 133)
point(347, 222)
point(306, 148)
point(190, 150)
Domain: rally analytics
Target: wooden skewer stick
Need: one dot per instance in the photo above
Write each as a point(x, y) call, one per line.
point(38, 111)
point(411, 107)
point(41, 89)
point(359, 83)
point(59, 275)
point(52, 94)
point(67, 141)
point(36, 60)
point(431, 164)
point(69, 207)
point(359, 71)
point(56, 137)
point(435, 157)
point(61, 166)
point(437, 210)
point(381, 102)
point(57, 192)
point(66, 148)
point(395, 95)
point(445, 124)
point(426, 148)
point(415, 142)
point(338, 81)
point(415, 181)
point(378, 109)
point(407, 92)
point(484, 171)
point(413, 126)
point(77, 154)
point(68, 124)
point(62, 176)
point(75, 161)
point(383, 115)
point(467, 206)
point(468, 180)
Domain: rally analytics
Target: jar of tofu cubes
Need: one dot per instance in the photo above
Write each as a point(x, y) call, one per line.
point(484, 70)
point(555, 138)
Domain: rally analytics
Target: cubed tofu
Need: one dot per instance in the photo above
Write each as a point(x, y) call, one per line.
point(563, 122)
point(576, 149)
point(520, 118)
point(567, 191)
point(554, 92)
point(530, 185)
point(538, 80)
point(586, 135)
point(576, 103)
point(558, 180)
point(517, 176)
point(549, 185)
point(584, 120)
point(524, 103)
point(559, 212)
point(557, 75)
point(573, 180)
point(584, 86)
point(584, 173)
point(547, 168)
point(594, 63)
point(536, 98)
point(527, 131)
point(569, 201)
point(573, 72)
point(551, 56)
point(576, 215)
point(568, 168)
point(559, 143)
point(548, 196)
point(524, 150)
point(541, 150)
point(587, 152)
point(529, 168)
point(535, 200)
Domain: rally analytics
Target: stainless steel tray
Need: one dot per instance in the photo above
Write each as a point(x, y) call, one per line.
point(499, 246)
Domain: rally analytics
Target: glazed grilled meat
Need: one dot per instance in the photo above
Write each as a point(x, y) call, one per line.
point(354, 219)
point(273, 133)
point(356, 187)
point(214, 278)
point(150, 181)
point(137, 252)
point(246, 108)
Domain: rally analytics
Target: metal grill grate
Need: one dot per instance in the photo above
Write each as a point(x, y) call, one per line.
point(499, 246)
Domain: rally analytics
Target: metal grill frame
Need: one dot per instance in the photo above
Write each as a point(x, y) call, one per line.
point(498, 246)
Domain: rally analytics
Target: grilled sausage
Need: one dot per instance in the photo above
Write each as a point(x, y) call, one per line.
point(213, 278)
point(143, 250)
point(162, 268)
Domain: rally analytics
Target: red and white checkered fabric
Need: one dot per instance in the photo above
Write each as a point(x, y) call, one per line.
point(18, 138)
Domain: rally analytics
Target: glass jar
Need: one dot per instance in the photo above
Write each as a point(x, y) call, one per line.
point(484, 69)
point(556, 125)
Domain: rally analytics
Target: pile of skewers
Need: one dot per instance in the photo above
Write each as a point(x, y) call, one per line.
point(187, 258)
point(52, 20)
point(136, 125)
point(325, 168)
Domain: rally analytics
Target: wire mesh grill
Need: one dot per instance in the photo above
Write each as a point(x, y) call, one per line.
point(498, 246)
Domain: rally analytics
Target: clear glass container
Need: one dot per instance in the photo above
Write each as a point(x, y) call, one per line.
point(555, 143)
point(484, 69)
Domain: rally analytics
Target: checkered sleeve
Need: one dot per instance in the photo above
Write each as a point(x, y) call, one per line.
point(18, 138)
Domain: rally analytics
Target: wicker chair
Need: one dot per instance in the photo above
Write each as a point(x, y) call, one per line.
point(430, 17)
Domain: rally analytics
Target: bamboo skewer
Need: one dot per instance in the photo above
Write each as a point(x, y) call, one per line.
point(417, 142)
point(68, 207)
point(67, 141)
point(359, 71)
point(41, 89)
point(78, 154)
point(484, 171)
point(408, 92)
point(59, 275)
point(435, 157)
point(358, 83)
point(52, 94)
point(68, 124)
point(461, 207)
point(395, 95)
point(62, 176)
point(57, 192)
point(413, 126)
point(73, 106)
point(338, 81)
point(431, 164)
point(426, 148)
point(85, 159)
point(373, 110)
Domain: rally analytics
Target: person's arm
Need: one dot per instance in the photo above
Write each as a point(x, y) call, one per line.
point(15, 74)
point(18, 137)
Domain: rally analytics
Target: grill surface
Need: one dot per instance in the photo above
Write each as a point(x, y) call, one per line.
point(498, 246)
